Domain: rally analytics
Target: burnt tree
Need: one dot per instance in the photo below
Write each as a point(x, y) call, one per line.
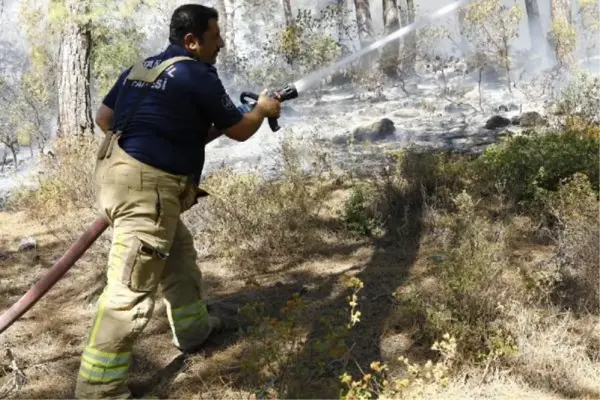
point(391, 52)
point(562, 36)
point(534, 24)
point(410, 43)
point(364, 22)
point(407, 17)
point(287, 13)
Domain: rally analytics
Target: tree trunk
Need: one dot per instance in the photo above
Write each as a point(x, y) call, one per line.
point(407, 13)
point(534, 24)
point(564, 44)
point(364, 22)
point(220, 6)
point(464, 43)
point(391, 52)
point(341, 26)
point(229, 28)
point(287, 13)
point(411, 38)
point(13, 150)
point(74, 100)
point(289, 26)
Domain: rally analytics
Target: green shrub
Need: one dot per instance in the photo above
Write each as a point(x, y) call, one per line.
point(580, 103)
point(471, 280)
point(357, 216)
point(575, 207)
point(525, 164)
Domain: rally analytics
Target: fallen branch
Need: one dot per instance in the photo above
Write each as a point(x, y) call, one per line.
point(460, 103)
point(16, 381)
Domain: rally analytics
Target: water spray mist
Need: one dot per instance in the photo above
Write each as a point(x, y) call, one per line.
point(316, 76)
point(291, 91)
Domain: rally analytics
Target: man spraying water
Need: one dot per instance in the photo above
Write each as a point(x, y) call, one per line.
point(158, 118)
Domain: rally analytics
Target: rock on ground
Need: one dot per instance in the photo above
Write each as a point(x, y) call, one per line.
point(28, 243)
point(532, 118)
point(508, 107)
point(380, 130)
point(497, 121)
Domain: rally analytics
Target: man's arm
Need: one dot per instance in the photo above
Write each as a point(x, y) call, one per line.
point(104, 117)
point(211, 95)
point(249, 124)
point(215, 133)
point(105, 113)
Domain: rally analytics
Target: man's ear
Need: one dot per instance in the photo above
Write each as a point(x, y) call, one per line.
point(192, 41)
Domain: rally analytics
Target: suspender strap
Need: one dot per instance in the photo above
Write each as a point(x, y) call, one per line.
point(140, 73)
point(132, 110)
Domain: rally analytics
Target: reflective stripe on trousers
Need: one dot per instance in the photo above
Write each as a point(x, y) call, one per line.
point(193, 317)
point(99, 366)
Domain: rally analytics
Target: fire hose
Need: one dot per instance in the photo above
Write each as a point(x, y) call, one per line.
point(83, 243)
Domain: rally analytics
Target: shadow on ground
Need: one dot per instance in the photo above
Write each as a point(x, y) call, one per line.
point(387, 270)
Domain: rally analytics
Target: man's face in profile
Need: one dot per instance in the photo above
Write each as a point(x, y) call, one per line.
point(207, 49)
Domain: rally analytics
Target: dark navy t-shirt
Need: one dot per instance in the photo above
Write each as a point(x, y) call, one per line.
point(170, 127)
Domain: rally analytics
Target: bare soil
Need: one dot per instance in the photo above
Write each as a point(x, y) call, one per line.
point(47, 341)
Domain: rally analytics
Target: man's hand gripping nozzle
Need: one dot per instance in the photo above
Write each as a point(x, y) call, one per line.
point(288, 92)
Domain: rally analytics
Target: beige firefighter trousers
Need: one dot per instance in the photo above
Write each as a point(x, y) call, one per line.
point(151, 249)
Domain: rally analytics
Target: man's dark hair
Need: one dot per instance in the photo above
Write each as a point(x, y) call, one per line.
point(190, 18)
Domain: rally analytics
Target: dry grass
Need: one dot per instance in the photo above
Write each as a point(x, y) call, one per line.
point(67, 184)
point(46, 349)
point(557, 352)
point(499, 385)
point(434, 254)
point(257, 223)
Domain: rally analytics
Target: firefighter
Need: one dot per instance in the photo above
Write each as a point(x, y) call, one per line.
point(157, 119)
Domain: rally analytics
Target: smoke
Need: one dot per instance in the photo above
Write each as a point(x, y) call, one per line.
point(540, 47)
point(318, 75)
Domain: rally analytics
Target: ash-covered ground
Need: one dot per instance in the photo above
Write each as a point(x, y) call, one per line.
point(417, 112)
point(429, 111)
